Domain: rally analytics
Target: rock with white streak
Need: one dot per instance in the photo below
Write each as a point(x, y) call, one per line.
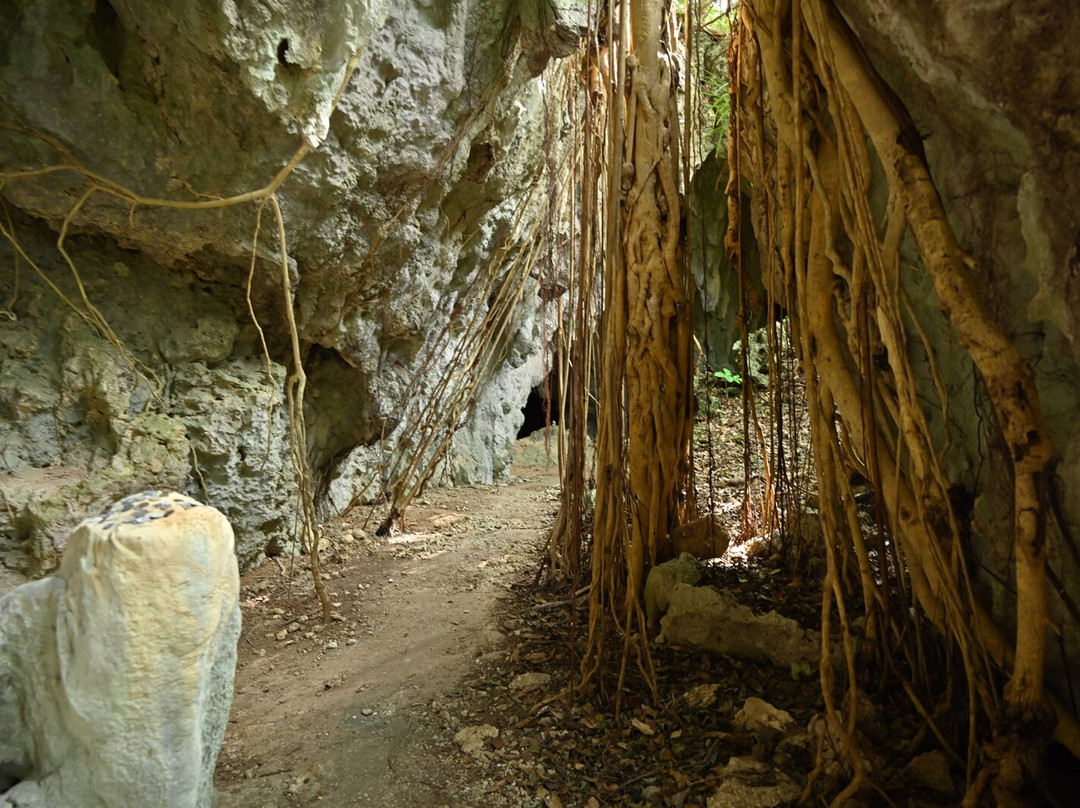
point(116, 673)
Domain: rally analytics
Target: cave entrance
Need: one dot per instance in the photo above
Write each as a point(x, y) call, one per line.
point(541, 408)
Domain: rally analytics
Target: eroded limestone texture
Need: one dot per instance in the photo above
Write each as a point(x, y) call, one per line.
point(705, 617)
point(400, 223)
point(116, 673)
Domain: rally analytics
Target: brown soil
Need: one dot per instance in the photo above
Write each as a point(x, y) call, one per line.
point(357, 712)
point(440, 631)
point(432, 628)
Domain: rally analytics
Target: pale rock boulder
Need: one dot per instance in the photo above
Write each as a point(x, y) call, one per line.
point(705, 617)
point(116, 673)
point(748, 783)
point(661, 582)
point(705, 537)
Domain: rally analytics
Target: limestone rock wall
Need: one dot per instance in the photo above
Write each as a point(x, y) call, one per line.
point(994, 92)
point(397, 221)
point(716, 305)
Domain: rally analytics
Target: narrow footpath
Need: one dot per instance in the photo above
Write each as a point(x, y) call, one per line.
point(355, 713)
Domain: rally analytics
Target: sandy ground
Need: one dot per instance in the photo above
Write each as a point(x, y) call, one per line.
point(353, 713)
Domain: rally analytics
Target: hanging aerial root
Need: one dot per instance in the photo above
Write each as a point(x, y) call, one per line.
point(295, 386)
point(1009, 380)
point(806, 110)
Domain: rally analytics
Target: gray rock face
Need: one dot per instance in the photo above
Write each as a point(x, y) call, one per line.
point(402, 225)
point(116, 673)
point(716, 304)
point(1003, 147)
point(93, 429)
point(704, 617)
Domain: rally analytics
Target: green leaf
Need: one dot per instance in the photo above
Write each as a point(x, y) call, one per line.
point(800, 670)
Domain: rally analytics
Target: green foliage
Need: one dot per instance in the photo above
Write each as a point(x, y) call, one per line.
point(715, 15)
point(718, 99)
point(728, 377)
point(715, 22)
point(800, 670)
point(710, 387)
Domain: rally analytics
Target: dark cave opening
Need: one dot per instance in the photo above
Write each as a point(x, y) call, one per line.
point(536, 410)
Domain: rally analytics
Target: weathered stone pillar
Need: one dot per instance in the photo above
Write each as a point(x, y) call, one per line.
point(116, 673)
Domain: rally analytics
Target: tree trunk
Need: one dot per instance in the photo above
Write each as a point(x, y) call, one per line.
point(658, 321)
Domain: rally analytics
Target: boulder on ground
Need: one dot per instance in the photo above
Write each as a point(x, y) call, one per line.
point(702, 538)
point(705, 617)
point(749, 783)
point(931, 770)
point(116, 673)
point(661, 582)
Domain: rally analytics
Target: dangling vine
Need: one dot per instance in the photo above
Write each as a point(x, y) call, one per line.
point(267, 195)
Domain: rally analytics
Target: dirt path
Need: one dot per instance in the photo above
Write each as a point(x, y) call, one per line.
point(352, 713)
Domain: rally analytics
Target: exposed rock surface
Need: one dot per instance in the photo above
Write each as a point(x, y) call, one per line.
point(931, 770)
point(401, 226)
point(472, 739)
point(993, 91)
point(748, 783)
point(704, 617)
point(757, 715)
point(716, 303)
point(704, 537)
point(661, 582)
point(116, 673)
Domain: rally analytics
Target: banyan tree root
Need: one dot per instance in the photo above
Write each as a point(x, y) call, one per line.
point(807, 108)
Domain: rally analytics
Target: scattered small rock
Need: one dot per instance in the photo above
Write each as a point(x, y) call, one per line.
point(446, 520)
point(530, 681)
point(757, 714)
point(701, 696)
point(471, 739)
point(309, 777)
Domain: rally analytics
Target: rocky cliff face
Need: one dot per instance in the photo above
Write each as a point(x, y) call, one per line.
point(402, 221)
point(994, 95)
